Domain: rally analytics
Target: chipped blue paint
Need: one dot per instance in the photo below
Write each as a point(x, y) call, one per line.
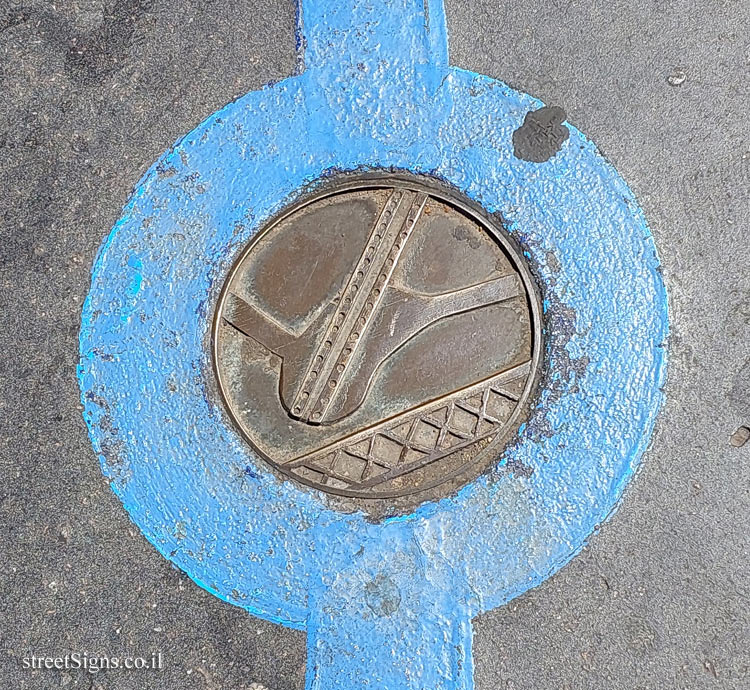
point(387, 604)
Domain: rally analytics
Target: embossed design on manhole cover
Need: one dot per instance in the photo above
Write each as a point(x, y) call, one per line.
point(378, 340)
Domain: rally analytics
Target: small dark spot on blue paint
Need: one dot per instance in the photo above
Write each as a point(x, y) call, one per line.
point(104, 356)
point(111, 456)
point(96, 399)
point(541, 135)
point(250, 473)
point(106, 425)
point(553, 264)
point(165, 173)
point(202, 310)
point(519, 469)
point(382, 596)
point(171, 339)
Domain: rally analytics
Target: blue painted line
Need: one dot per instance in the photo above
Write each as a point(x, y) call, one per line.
point(389, 603)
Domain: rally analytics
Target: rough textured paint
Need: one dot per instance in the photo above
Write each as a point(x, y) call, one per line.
point(387, 604)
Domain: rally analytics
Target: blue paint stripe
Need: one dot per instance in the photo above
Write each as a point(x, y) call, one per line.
point(395, 33)
point(437, 32)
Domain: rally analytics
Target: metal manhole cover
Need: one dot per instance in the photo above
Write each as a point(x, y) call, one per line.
point(379, 340)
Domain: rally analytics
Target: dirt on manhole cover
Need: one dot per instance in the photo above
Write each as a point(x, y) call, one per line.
point(379, 341)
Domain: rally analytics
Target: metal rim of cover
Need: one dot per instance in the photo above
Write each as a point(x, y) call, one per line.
point(455, 454)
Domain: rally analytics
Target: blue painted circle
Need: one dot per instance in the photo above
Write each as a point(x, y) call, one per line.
point(194, 486)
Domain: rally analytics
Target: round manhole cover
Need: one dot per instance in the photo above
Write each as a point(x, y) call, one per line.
point(380, 340)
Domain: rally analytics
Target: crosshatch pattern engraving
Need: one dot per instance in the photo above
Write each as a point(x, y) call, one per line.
point(378, 340)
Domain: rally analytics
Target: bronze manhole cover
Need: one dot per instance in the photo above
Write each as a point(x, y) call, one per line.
point(379, 340)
